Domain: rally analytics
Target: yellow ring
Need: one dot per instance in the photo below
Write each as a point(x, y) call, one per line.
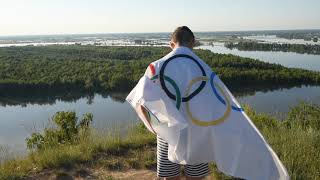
point(212, 122)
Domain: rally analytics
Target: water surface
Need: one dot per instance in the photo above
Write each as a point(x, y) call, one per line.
point(288, 59)
point(19, 121)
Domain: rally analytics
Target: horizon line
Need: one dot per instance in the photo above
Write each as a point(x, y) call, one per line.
point(101, 33)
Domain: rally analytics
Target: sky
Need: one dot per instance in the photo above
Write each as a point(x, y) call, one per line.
point(30, 17)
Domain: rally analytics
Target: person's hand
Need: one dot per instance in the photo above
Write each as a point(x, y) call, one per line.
point(145, 113)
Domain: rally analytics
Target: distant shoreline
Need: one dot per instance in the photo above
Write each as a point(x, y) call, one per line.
point(196, 32)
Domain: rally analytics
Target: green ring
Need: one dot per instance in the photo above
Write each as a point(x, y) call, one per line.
point(175, 86)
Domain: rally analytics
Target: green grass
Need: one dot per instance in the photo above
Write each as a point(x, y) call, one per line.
point(295, 139)
point(136, 150)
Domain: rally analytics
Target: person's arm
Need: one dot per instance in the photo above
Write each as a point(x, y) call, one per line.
point(144, 112)
point(150, 71)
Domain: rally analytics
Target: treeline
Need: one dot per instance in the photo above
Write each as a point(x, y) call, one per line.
point(93, 69)
point(307, 35)
point(256, 46)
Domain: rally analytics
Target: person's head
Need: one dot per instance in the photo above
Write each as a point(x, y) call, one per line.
point(182, 36)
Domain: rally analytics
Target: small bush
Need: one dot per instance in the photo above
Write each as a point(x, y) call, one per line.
point(68, 130)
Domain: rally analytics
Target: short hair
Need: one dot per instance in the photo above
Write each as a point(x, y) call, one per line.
point(183, 35)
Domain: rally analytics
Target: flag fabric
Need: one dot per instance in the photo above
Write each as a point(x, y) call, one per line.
point(183, 101)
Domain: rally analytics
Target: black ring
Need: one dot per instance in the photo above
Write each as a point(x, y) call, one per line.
point(163, 85)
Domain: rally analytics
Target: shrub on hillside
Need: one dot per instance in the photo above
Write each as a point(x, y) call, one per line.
point(67, 129)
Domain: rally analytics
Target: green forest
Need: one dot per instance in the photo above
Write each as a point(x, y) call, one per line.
point(256, 46)
point(93, 69)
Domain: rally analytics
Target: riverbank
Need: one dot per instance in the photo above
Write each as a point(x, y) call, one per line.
point(296, 140)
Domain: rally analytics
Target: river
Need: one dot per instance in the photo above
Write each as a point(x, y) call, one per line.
point(19, 120)
point(288, 59)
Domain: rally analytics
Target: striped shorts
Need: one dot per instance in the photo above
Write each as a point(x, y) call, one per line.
point(166, 168)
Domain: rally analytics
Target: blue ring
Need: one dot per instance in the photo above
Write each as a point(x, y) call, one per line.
point(218, 95)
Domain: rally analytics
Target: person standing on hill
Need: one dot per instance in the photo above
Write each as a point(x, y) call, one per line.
point(182, 39)
point(197, 120)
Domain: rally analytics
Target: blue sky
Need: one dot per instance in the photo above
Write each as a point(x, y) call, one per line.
point(19, 17)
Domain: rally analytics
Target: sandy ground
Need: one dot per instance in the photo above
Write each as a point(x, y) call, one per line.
point(87, 173)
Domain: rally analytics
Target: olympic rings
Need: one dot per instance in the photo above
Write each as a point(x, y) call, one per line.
point(217, 94)
point(212, 122)
point(175, 86)
point(188, 96)
point(162, 78)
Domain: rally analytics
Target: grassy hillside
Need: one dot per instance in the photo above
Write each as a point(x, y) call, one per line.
point(296, 140)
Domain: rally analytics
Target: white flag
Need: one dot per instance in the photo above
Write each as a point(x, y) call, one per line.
point(189, 106)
